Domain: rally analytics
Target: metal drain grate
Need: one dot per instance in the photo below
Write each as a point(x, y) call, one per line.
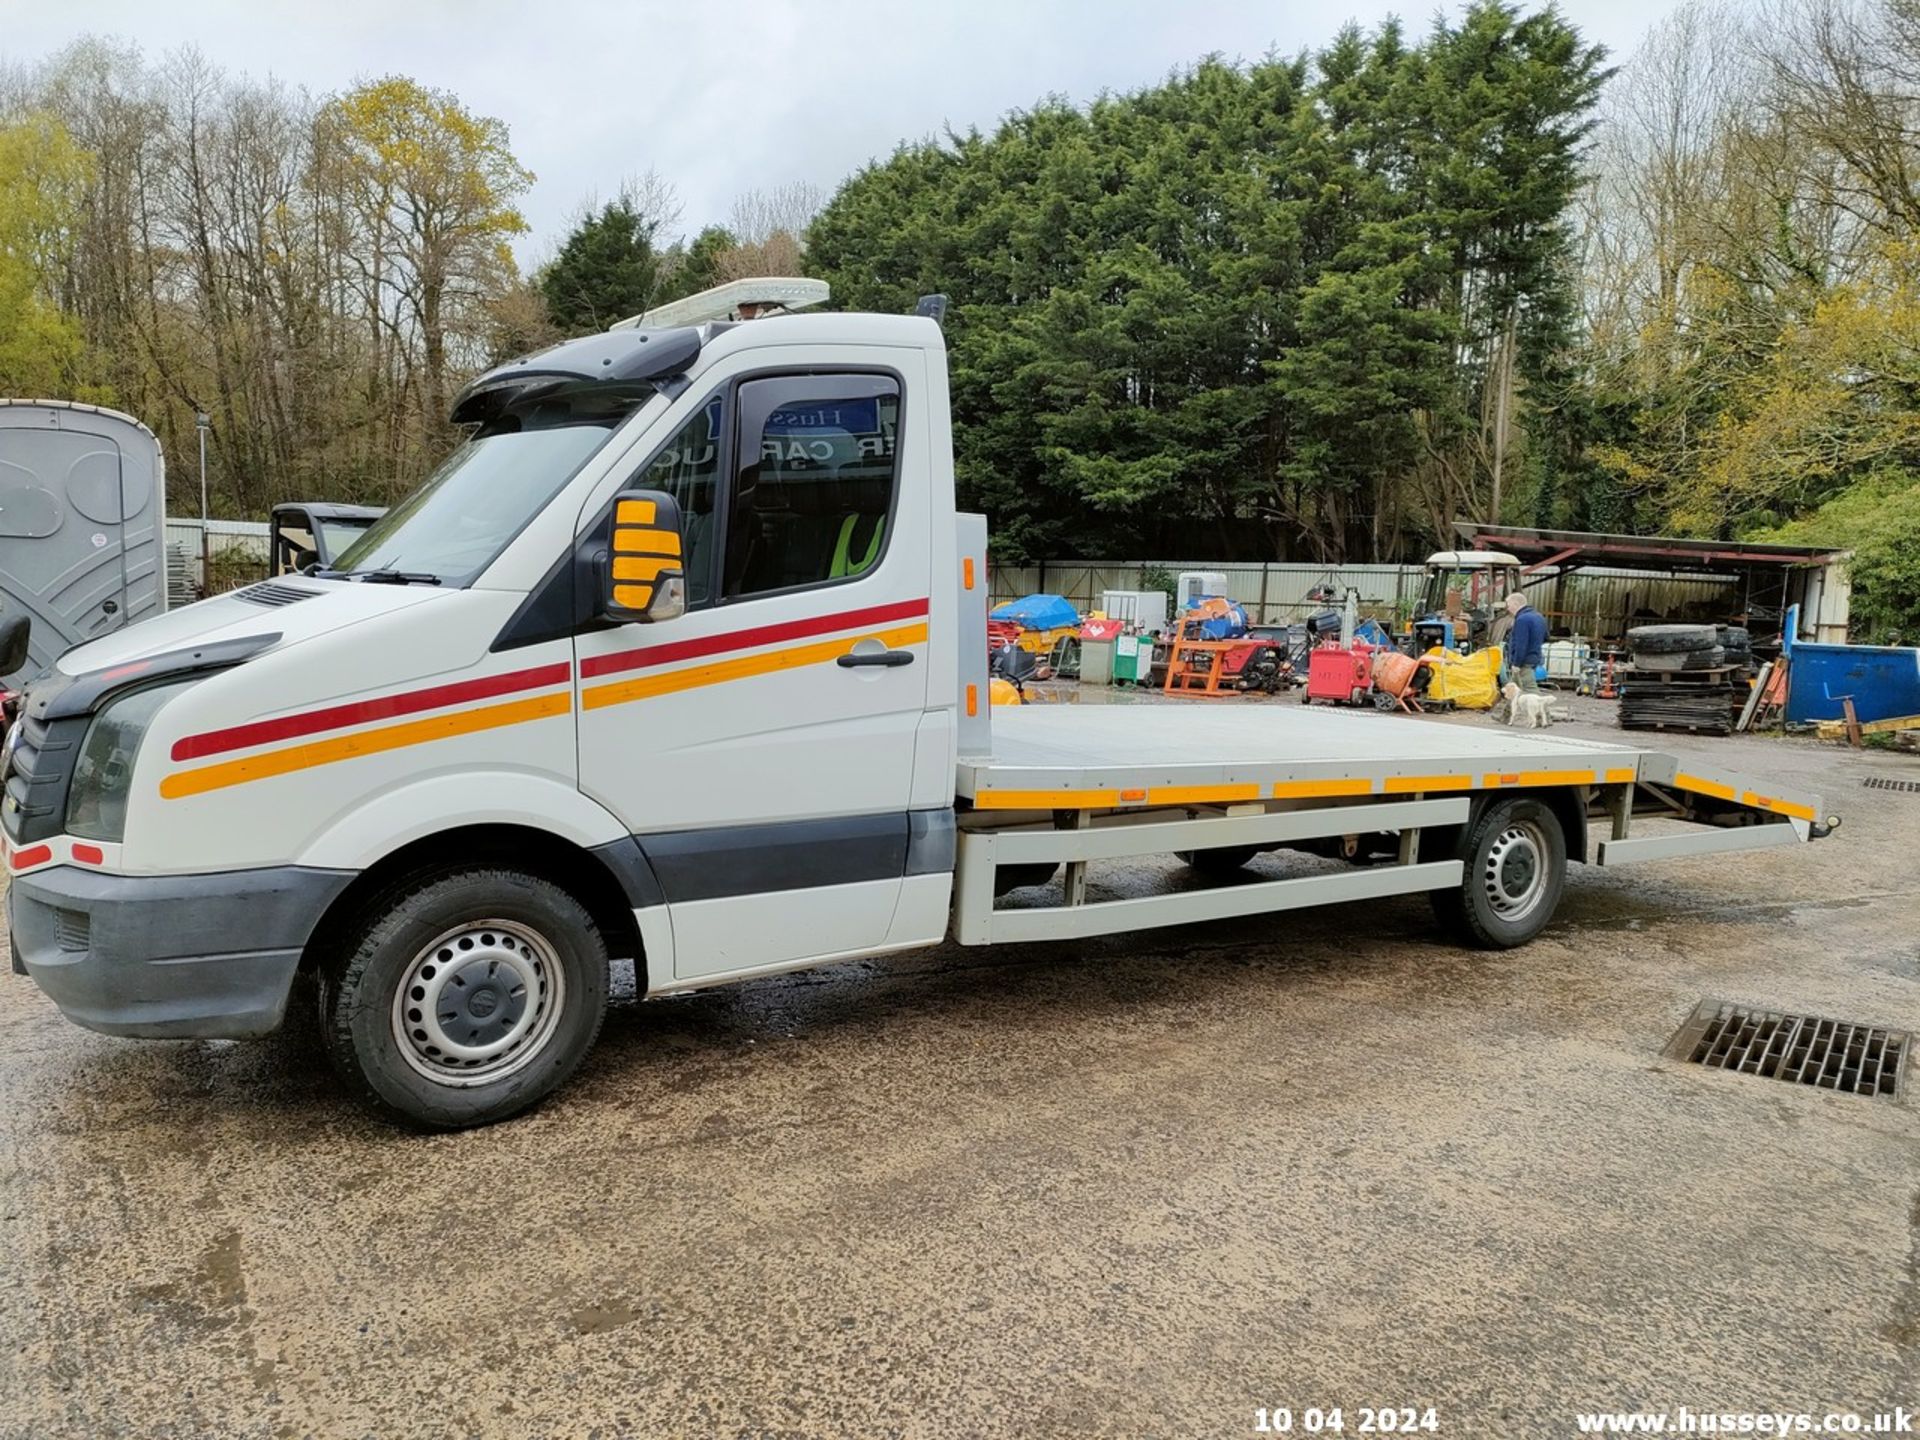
point(1881, 783)
point(1801, 1049)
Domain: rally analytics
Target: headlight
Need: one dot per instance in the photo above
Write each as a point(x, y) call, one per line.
point(97, 800)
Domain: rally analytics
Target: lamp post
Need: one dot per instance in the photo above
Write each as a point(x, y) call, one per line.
point(202, 422)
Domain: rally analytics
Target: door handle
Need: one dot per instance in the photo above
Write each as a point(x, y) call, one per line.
point(888, 658)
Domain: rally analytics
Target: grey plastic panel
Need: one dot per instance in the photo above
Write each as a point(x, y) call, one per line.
point(82, 524)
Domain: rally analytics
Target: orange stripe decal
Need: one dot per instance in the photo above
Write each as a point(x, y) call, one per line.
point(368, 742)
point(1619, 777)
point(1556, 777)
point(1777, 806)
point(1046, 799)
point(1199, 794)
point(1703, 787)
point(693, 677)
point(1412, 784)
point(1318, 789)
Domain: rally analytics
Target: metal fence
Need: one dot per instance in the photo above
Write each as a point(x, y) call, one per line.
point(236, 555)
point(1595, 602)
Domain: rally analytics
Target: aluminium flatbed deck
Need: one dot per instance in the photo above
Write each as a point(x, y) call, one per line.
point(1078, 785)
point(1105, 757)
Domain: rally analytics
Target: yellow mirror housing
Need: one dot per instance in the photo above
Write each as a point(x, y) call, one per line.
point(646, 575)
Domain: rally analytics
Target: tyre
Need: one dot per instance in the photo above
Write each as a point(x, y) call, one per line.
point(1221, 860)
point(1515, 855)
point(1671, 639)
point(464, 998)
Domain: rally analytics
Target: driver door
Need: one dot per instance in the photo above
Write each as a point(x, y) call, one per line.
point(760, 747)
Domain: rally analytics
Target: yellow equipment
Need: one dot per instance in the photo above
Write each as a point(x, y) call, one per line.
point(1470, 682)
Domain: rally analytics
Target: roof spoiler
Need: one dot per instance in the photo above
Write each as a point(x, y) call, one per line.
point(629, 357)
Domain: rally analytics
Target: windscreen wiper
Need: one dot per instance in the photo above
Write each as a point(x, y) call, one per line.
point(391, 577)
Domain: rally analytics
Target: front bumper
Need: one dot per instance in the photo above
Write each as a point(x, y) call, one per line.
point(168, 956)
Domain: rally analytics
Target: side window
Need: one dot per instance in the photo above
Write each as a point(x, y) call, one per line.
point(814, 482)
point(687, 469)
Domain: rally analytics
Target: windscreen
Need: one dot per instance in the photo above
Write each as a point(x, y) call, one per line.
point(340, 534)
point(483, 495)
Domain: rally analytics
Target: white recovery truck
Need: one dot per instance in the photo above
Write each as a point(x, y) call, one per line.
point(682, 657)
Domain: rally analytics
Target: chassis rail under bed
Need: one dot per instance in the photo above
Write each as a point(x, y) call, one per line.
point(1075, 785)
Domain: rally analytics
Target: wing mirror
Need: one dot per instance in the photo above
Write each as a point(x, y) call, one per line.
point(645, 574)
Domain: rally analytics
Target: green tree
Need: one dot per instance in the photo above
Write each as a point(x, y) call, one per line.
point(433, 187)
point(43, 178)
point(694, 267)
point(606, 270)
point(1296, 308)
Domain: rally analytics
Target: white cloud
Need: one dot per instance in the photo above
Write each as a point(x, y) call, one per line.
point(723, 97)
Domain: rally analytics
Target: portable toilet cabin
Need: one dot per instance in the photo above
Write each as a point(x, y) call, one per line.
point(82, 523)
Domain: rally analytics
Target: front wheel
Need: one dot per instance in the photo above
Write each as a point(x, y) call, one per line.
point(465, 998)
point(1515, 859)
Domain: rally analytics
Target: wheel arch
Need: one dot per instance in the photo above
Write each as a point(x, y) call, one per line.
point(583, 873)
point(1569, 806)
point(1567, 802)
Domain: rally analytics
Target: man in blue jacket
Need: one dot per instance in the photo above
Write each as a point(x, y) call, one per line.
point(1526, 646)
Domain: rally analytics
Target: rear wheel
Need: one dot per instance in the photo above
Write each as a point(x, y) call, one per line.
point(465, 998)
point(1515, 858)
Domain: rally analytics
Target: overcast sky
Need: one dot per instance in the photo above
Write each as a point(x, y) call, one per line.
point(725, 97)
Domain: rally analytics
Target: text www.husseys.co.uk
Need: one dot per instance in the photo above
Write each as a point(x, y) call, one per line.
point(1684, 1421)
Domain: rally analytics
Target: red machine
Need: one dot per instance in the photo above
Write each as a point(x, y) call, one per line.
point(1341, 674)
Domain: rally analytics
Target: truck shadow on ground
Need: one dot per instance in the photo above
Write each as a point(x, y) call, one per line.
point(903, 1012)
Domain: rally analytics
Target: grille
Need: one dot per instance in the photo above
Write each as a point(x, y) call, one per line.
point(37, 774)
point(268, 593)
point(1881, 783)
point(72, 930)
point(1840, 1055)
point(23, 764)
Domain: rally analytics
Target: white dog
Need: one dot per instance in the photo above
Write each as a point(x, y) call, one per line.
point(1526, 709)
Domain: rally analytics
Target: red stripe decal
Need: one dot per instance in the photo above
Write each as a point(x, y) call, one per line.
point(674, 650)
point(32, 855)
point(89, 854)
point(335, 717)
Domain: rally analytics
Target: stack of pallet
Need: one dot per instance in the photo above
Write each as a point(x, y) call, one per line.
point(1685, 677)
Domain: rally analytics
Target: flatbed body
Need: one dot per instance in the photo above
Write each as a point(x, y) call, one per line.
point(1095, 756)
point(1078, 785)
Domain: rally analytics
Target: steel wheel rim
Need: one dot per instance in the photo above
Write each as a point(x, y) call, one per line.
point(478, 1003)
point(1514, 873)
